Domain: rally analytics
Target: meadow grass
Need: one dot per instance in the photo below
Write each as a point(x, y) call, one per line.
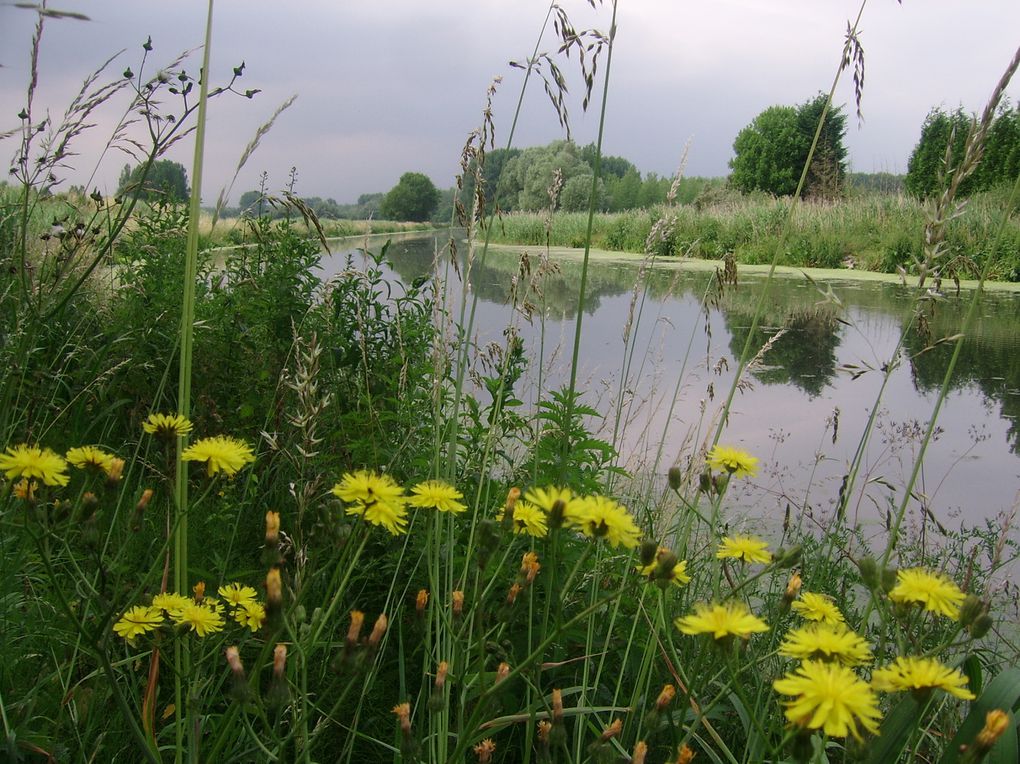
point(355, 544)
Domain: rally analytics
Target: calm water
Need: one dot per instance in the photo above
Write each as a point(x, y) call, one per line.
point(805, 384)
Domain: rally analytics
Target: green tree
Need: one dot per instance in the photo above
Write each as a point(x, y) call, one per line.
point(528, 177)
point(164, 180)
point(492, 169)
point(413, 198)
point(770, 153)
point(1000, 162)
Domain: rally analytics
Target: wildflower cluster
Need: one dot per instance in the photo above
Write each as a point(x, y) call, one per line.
point(597, 517)
point(199, 614)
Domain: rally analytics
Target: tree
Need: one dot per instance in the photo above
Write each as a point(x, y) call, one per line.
point(413, 198)
point(164, 180)
point(770, 153)
point(1000, 162)
point(527, 178)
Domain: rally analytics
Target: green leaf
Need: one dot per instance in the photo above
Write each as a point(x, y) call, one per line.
point(895, 732)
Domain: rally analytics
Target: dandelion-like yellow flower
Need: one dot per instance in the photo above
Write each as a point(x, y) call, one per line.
point(138, 620)
point(818, 607)
point(251, 614)
point(167, 425)
point(24, 461)
point(602, 518)
point(220, 453)
point(171, 603)
point(529, 519)
point(829, 697)
point(732, 460)
point(546, 498)
point(921, 675)
point(85, 457)
point(237, 594)
point(199, 619)
point(728, 619)
point(436, 494)
point(746, 548)
point(375, 497)
point(933, 591)
point(820, 641)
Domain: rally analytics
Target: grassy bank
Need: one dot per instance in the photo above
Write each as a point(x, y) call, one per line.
point(873, 232)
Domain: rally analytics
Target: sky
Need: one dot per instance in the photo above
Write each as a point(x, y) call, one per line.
point(391, 86)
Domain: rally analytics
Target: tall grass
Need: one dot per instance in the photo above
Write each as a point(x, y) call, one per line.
point(386, 558)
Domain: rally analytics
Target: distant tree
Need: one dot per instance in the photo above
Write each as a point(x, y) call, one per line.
point(413, 198)
point(165, 180)
point(251, 202)
point(528, 177)
point(611, 165)
point(770, 153)
point(1000, 163)
point(492, 169)
point(576, 194)
point(624, 192)
point(878, 182)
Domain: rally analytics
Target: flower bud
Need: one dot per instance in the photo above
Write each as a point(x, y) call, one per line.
point(705, 482)
point(421, 601)
point(666, 696)
point(511, 596)
point(869, 572)
point(272, 528)
point(278, 692)
point(613, 730)
point(484, 751)
point(888, 579)
point(114, 472)
point(354, 630)
point(647, 552)
point(787, 558)
point(274, 593)
point(972, 607)
point(403, 714)
point(458, 602)
point(502, 672)
point(981, 626)
point(640, 752)
point(198, 590)
point(530, 566)
point(140, 507)
point(685, 755)
point(996, 723)
point(675, 477)
point(378, 631)
point(239, 682)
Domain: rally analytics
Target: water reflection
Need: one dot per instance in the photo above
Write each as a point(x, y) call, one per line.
point(799, 411)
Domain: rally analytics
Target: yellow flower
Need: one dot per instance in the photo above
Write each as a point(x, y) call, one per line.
point(437, 495)
point(251, 614)
point(199, 619)
point(732, 460)
point(820, 641)
point(934, 591)
point(167, 425)
point(528, 519)
point(138, 620)
point(171, 603)
point(559, 504)
point(24, 461)
point(90, 456)
point(237, 594)
point(818, 607)
point(829, 697)
point(746, 548)
point(602, 518)
point(731, 618)
point(375, 497)
point(920, 675)
point(220, 453)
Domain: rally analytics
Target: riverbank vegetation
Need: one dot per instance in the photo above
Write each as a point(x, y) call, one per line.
point(251, 515)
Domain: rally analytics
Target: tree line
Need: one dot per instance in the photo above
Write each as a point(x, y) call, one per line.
point(769, 155)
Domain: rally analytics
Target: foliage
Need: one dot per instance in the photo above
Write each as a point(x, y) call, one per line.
point(943, 136)
point(164, 180)
point(413, 198)
point(770, 153)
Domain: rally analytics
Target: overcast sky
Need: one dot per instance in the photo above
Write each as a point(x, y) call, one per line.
point(390, 86)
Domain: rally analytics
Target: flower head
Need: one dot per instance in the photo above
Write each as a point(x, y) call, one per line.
point(933, 591)
point(746, 548)
point(602, 518)
point(90, 457)
point(237, 594)
point(529, 519)
point(659, 568)
point(138, 620)
point(251, 614)
point(829, 697)
point(818, 607)
point(728, 619)
point(920, 675)
point(377, 498)
point(820, 641)
point(732, 460)
point(200, 619)
point(167, 425)
point(24, 461)
point(437, 495)
point(171, 603)
point(220, 453)
point(559, 504)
